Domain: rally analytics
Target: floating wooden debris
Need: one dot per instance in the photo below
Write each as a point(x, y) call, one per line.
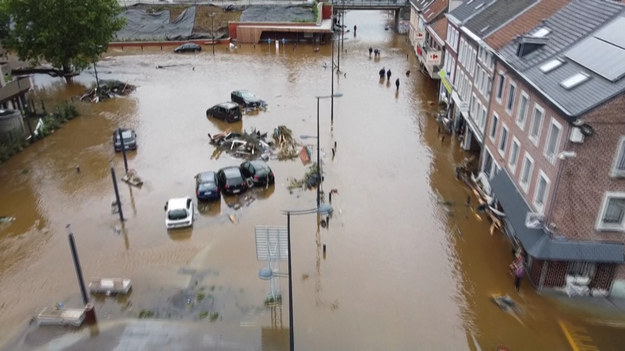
point(132, 178)
point(110, 286)
point(61, 316)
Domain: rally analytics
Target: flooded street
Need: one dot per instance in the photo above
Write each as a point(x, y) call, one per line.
point(409, 266)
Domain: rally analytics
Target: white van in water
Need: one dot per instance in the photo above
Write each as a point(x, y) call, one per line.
point(179, 213)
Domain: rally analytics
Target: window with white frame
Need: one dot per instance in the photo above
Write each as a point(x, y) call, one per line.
point(582, 269)
point(448, 39)
point(503, 140)
point(493, 127)
point(522, 110)
point(461, 51)
point(537, 122)
point(511, 96)
point(487, 166)
point(473, 106)
point(514, 154)
point(482, 122)
point(540, 194)
point(472, 62)
point(612, 214)
point(526, 172)
point(618, 166)
point(500, 84)
point(551, 146)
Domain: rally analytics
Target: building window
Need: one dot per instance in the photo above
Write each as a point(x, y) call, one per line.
point(522, 110)
point(482, 121)
point(493, 127)
point(503, 140)
point(612, 215)
point(488, 164)
point(618, 169)
point(510, 102)
point(514, 154)
point(526, 172)
point(581, 269)
point(540, 195)
point(537, 122)
point(500, 83)
point(555, 130)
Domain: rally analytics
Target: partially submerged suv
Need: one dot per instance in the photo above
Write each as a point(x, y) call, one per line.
point(179, 213)
point(247, 99)
point(227, 111)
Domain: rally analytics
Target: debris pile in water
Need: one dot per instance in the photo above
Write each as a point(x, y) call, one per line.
point(107, 90)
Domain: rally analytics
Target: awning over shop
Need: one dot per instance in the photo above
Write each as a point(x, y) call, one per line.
point(446, 83)
point(537, 242)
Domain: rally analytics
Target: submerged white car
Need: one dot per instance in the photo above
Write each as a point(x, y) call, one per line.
point(179, 213)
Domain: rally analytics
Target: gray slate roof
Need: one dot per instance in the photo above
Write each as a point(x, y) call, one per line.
point(468, 9)
point(497, 15)
point(537, 242)
point(569, 27)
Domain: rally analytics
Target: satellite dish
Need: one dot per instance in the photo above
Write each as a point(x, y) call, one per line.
point(586, 129)
point(534, 220)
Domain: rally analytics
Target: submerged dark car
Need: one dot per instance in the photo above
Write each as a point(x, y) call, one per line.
point(231, 181)
point(188, 47)
point(206, 187)
point(227, 111)
point(247, 99)
point(258, 171)
point(130, 140)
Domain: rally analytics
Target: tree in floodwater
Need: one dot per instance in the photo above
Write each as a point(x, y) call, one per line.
point(68, 34)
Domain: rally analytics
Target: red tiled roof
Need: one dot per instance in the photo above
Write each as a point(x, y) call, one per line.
point(435, 9)
point(440, 28)
point(523, 23)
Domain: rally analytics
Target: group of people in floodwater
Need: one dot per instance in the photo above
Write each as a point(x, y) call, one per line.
point(388, 73)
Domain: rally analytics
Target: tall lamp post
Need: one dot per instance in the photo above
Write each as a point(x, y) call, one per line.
point(319, 164)
point(212, 16)
point(325, 209)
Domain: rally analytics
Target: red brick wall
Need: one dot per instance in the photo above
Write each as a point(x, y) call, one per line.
point(536, 152)
point(586, 178)
point(603, 277)
point(556, 274)
point(534, 271)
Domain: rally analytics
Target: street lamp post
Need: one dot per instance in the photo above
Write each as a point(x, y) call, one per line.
point(325, 209)
point(319, 164)
point(212, 15)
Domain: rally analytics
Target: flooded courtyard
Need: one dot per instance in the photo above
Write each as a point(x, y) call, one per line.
point(409, 265)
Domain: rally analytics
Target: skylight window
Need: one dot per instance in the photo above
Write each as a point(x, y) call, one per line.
point(479, 6)
point(574, 80)
point(541, 32)
point(484, 29)
point(551, 65)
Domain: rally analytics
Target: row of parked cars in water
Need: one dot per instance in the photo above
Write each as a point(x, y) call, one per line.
point(210, 185)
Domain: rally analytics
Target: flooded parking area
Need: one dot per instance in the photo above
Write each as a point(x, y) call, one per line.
point(407, 264)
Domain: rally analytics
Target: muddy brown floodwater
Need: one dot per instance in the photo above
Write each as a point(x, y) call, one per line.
point(408, 265)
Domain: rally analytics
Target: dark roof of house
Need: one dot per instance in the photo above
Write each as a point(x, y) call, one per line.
point(497, 15)
point(421, 4)
point(523, 23)
point(467, 10)
point(440, 29)
point(573, 39)
point(434, 10)
point(537, 242)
